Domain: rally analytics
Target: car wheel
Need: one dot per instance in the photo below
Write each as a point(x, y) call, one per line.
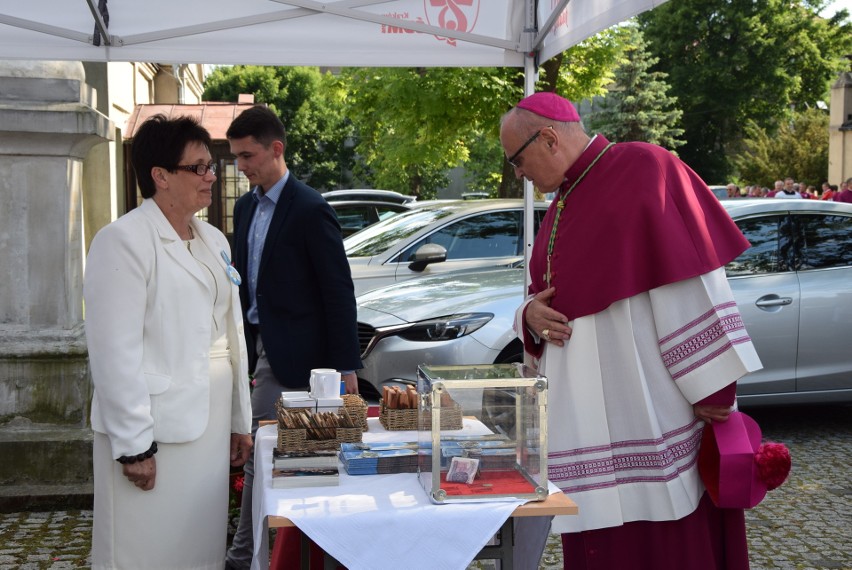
point(514, 352)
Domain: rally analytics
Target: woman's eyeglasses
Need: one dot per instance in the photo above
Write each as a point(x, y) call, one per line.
point(199, 169)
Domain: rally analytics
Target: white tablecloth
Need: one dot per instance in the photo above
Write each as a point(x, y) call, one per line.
point(375, 522)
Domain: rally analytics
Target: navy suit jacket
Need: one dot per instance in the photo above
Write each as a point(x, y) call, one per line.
point(305, 296)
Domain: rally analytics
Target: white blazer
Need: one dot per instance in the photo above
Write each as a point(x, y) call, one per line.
point(148, 333)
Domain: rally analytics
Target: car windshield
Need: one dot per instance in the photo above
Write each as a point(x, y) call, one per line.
point(381, 236)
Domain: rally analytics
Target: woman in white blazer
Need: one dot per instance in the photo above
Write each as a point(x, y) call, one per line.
point(168, 361)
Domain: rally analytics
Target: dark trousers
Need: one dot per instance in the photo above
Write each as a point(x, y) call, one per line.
point(263, 397)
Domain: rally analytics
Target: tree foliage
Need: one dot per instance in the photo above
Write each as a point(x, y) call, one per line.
point(734, 61)
point(310, 105)
point(799, 150)
point(414, 124)
point(584, 70)
point(637, 106)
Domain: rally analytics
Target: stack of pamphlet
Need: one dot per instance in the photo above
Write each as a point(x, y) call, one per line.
point(305, 400)
point(493, 454)
point(378, 458)
point(304, 468)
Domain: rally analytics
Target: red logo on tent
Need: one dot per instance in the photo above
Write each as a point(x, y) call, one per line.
point(454, 15)
point(561, 21)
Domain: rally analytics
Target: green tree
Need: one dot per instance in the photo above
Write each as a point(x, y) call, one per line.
point(584, 70)
point(310, 105)
point(799, 149)
point(731, 61)
point(637, 107)
point(414, 124)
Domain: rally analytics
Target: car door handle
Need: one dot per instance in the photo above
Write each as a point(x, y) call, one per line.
point(773, 301)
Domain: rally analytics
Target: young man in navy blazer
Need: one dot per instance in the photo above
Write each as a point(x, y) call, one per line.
point(297, 295)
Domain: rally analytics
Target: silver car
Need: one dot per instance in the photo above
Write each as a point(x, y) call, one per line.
point(462, 317)
point(438, 237)
point(793, 288)
point(368, 194)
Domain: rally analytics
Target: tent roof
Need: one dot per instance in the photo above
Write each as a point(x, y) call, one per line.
point(443, 33)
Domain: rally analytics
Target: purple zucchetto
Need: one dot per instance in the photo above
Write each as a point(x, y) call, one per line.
point(551, 106)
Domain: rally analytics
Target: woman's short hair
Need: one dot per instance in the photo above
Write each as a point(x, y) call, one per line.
point(161, 141)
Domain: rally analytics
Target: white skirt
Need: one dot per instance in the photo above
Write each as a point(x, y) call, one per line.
point(181, 523)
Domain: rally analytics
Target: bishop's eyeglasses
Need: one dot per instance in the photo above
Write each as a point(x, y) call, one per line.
point(512, 159)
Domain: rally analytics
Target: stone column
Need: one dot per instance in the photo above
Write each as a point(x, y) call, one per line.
point(47, 125)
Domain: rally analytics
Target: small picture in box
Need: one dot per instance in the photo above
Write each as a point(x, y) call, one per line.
point(463, 470)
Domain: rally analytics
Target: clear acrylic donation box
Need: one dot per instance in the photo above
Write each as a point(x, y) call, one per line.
point(501, 449)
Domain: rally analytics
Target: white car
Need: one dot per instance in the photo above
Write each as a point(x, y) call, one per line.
point(438, 237)
point(793, 287)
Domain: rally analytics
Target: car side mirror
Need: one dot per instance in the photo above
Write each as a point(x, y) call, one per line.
point(426, 254)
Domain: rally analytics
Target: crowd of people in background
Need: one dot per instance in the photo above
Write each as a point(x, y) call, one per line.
point(788, 188)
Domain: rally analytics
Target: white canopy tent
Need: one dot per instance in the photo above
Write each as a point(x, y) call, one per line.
point(442, 33)
point(361, 33)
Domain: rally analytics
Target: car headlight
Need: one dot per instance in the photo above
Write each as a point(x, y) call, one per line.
point(445, 328)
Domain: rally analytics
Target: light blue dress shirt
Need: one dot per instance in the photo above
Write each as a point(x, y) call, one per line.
point(266, 203)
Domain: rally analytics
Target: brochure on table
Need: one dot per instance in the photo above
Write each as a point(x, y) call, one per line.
point(393, 510)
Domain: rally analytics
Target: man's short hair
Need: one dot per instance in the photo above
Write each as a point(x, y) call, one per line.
point(259, 122)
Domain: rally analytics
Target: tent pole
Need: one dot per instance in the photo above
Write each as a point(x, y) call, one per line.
point(530, 73)
point(530, 76)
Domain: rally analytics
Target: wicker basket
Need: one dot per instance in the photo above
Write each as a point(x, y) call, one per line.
point(297, 439)
point(357, 408)
point(406, 419)
point(343, 427)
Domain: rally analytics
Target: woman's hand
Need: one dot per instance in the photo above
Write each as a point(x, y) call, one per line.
point(241, 444)
point(143, 474)
point(547, 323)
point(710, 413)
